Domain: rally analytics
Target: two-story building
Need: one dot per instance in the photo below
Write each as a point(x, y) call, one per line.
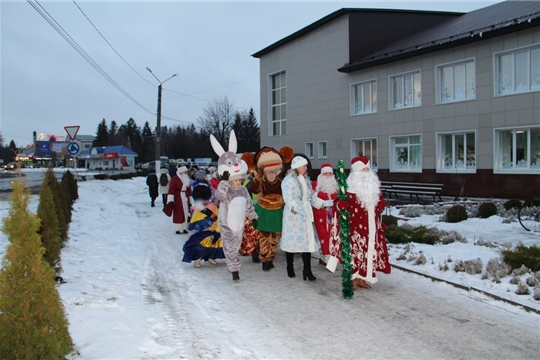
point(441, 97)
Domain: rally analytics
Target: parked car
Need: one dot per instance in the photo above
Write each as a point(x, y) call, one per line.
point(12, 166)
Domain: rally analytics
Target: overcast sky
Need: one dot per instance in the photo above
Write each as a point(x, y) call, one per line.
point(46, 84)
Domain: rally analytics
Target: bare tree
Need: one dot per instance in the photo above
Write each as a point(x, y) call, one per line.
point(218, 119)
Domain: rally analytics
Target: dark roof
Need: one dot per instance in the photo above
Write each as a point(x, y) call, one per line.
point(495, 20)
point(347, 11)
point(119, 149)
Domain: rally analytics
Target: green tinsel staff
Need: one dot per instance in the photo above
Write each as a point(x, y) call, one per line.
point(346, 272)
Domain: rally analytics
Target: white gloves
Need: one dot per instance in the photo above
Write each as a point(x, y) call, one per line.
point(328, 203)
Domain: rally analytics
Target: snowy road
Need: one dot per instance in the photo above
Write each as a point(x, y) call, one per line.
point(129, 296)
point(268, 315)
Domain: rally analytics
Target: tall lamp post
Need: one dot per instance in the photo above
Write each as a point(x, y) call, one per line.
point(158, 129)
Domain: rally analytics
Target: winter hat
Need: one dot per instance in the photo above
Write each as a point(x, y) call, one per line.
point(298, 161)
point(182, 169)
point(211, 169)
point(164, 170)
point(326, 168)
point(270, 161)
point(359, 163)
point(200, 175)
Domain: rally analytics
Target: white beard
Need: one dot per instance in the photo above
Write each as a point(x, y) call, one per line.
point(185, 181)
point(327, 184)
point(366, 186)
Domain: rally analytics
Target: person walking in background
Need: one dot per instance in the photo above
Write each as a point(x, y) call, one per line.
point(298, 234)
point(179, 194)
point(164, 180)
point(153, 191)
point(326, 188)
point(368, 244)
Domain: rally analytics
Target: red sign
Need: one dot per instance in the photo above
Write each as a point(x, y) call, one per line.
point(110, 156)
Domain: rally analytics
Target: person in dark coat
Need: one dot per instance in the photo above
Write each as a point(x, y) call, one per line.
point(153, 187)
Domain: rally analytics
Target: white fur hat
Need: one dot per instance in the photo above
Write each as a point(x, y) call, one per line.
point(359, 163)
point(182, 169)
point(298, 161)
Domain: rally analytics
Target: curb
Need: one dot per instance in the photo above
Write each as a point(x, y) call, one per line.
point(468, 288)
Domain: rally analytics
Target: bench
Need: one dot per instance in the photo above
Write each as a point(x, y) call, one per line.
point(412, 189)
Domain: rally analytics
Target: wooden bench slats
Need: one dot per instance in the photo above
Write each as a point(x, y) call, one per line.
point(394, 188)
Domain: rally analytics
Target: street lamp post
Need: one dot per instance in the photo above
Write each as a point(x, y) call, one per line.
point(158, 129)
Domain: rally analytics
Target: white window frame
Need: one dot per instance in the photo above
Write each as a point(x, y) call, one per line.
point(277, 124)
point(533, 82)
point(366, 147)
point(322, 149)
point(310, 149)
point(362, 91)
point(414, 99)
point(468, 79)
point(461, 160)
point(405, 151)
point(504, 160)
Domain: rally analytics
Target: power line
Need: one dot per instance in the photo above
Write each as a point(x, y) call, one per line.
point(39, 8)
point(120, 56)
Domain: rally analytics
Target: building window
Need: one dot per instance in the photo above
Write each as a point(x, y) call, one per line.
point(406, 153)
point(456, 152)
point(309, 150)
point(517, 71)
point(279, 104)
point(517, 150)
point(365, 147)
point(364, 98)
point(405, 90)
point(322, 150)
point(456, 81)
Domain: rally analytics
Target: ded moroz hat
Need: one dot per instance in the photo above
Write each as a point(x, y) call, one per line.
point(326, 168)
point(359, 163)
point(298, 161)
point(182, 169)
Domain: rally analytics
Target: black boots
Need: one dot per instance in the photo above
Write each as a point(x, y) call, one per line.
point(235, 276)
point(255, 257)
point(266, 266)
point(290, 267)
point(306, 257)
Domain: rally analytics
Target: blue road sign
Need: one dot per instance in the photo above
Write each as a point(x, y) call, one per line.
point(74, 148)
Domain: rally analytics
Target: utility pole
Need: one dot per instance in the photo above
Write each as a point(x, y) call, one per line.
point(158, 129)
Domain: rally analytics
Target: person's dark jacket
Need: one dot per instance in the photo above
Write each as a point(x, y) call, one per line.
point(153, 185)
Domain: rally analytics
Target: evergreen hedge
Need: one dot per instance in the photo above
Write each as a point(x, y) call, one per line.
point(33, 324)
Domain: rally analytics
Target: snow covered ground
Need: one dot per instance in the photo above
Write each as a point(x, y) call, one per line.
point(128, 295)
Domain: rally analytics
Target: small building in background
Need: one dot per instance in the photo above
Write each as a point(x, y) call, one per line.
point(108, 157)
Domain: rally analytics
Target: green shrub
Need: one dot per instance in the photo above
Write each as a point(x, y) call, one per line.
point(522, 255)
point(424, 235)
point(512, 203)
point(389, 220)
point(487, 209)
point(32, 321)
point(456, 214)
point(402, 235)
point(114, 177)
point(101, 176)
point(397, 235)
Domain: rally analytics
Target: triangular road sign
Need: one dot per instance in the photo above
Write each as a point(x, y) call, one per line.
point(72, 131)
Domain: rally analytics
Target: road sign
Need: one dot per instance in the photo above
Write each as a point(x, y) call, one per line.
point(74, 148)
point(72, 131)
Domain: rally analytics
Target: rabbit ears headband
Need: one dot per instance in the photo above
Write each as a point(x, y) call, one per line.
point(218, 149)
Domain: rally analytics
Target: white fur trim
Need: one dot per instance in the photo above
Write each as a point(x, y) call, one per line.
point(327, 169)
point(358, 166)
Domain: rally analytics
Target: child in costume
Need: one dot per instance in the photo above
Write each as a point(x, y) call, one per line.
point(205, 240)
point(235, 202)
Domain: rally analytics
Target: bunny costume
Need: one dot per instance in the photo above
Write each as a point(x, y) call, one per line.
point(235, 202)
